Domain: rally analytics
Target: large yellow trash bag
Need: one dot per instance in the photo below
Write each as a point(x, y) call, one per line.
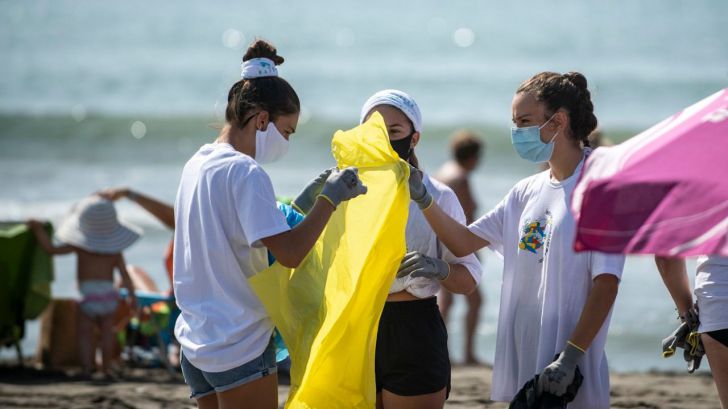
point(328, 308)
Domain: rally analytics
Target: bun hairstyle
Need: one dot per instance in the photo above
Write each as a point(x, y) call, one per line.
point(272, 94)
point(568, 91)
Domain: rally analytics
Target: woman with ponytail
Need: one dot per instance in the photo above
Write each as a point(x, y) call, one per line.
point(554, 302)
point(226, 217)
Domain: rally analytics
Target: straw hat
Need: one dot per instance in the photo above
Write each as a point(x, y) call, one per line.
point(93, 226)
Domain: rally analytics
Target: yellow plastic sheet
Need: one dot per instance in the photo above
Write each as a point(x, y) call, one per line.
point(328, 308)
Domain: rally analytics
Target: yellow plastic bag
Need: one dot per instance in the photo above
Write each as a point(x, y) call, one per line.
point(328, 309)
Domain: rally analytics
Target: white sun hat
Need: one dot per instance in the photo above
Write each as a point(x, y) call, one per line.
point(93, 226)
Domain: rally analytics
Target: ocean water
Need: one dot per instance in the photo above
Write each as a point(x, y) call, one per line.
point(95, 95)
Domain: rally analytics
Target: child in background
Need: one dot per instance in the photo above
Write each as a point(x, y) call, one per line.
point(467, 149)
point(93, 232)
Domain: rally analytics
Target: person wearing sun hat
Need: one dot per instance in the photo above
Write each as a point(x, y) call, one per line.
point(93, 231)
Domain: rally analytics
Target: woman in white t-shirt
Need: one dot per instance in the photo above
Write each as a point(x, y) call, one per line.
point(412, 360)
point(225, 217)
point(553, 300)
point(711, 315)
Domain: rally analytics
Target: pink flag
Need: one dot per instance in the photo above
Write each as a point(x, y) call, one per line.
point(664, 191)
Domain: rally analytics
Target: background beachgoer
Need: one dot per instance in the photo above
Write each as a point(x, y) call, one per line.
point(94, 234)
point(466, 149)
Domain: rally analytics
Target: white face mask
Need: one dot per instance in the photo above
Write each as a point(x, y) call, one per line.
point(270, 145)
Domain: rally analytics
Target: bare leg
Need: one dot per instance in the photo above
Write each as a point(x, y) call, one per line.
point(718, 359)
point(380, 404)
point(259, 394)
point(434, 400)
point(85, 343)
point(475, 300)
point(207, 402)
point(107, 341)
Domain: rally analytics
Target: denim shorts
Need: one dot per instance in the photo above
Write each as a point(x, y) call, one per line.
point(204, 383)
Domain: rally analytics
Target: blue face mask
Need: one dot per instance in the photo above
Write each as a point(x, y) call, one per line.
point(527, 142)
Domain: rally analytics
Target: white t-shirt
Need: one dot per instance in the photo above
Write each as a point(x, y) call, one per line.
point(420, 237)
point(545, 287)
point(225, 205)
point(711, 292)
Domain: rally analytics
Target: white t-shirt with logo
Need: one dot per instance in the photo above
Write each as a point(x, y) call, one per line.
point(225, 205)
point(545, 287)
point(711, 292)
point(420, 237)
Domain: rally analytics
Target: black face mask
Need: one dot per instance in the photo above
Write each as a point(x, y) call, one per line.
point(403, 146)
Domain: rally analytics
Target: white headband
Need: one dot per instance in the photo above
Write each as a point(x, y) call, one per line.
point(258, 68)
point(398, 99)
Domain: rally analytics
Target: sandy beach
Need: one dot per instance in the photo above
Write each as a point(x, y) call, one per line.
point(155, 388)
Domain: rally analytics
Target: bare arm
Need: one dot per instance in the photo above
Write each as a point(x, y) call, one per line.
point(126, 280)
point(45, 242)
point(595, 311)
point(162, 211)
point(456, 237)
point(460, 280)
point(291, 247)
point(675, 276)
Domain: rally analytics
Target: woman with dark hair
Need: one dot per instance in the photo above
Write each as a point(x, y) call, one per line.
point(412, 366)
point(225, 218)
point(553, 300)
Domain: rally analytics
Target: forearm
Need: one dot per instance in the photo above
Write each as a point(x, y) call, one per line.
point(291, 247)
point(598, 304)
point(162, 211)
point(460, 280)
point(675, 277)
point(455, 236)
point(45, 242)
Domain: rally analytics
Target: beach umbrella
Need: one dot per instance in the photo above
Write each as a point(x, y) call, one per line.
point(664, 191)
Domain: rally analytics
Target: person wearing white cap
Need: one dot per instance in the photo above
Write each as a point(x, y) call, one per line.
point(94, 233)
point(412, 361)
point(225, 217)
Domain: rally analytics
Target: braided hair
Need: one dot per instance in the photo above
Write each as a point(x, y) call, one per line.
point(568, 91)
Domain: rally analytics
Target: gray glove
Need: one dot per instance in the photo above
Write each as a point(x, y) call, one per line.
point(305, 200)
point(687, 338)
point(418, 191)
point(416, 264)
point(557, 377)
point(342, 185)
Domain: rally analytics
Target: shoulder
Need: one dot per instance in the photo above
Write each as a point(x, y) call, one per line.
point(528, 186)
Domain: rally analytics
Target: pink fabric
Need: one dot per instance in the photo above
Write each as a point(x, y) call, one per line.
point(664, 192)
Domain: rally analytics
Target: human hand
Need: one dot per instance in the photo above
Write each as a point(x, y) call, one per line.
point(342, 185)
point(418, 191)
point(556, 377)
point(113, 193)
point(691, 318)
point(34, 224)
point(416, 264)
point(305, 200)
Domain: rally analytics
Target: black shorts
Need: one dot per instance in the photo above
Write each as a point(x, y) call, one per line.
point(720, 335)
point(412, 357)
